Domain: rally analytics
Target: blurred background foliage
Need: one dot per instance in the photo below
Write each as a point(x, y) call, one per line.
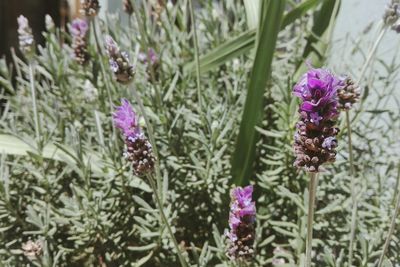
point(79, 198)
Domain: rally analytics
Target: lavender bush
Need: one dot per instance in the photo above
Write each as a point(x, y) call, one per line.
point(121, 155)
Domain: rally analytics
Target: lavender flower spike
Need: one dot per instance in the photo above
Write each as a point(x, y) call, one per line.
point(315, 138)
point(242, 218)
point(25, 37)
point(79, 29)
point(139, 150)
point(119, 62)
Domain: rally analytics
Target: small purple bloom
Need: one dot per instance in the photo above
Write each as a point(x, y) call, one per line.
point(113, 65)
point(317, 89)
point(22, 23)
point(111, 46)
point(25, 37)
point(241, 222)
point(79, 27)
point(126, 120)
point(329, 142)
point(151, 54)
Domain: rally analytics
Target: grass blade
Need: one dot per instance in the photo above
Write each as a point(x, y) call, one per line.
point(272, 12)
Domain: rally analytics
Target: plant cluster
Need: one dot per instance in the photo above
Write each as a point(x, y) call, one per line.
point(173, 135)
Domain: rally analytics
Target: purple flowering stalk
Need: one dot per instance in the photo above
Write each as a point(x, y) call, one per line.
point(119, 62)
point(315, 138)
point(139, 152)
point(242, 218)
point(79, 29)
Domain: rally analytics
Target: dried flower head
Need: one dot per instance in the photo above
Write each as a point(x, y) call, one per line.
point(242, 218)
point(119, 62)
point(25, 37)
point(349, 94)
point(315, 142)
point(89, 8)
point(32, 249)
point(79, 29)
point(392, 15)
point(139, 150)
point(127, 5)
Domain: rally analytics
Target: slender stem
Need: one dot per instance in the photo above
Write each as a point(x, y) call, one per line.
point(350, 147)
point(366, 64)
point(352, 188)
point(372, 53)
point(310, 216)
point(34, 106)
point(164, 218)
point(150, 132)
point(392, 224)
point(103, 70)
point(196, 51)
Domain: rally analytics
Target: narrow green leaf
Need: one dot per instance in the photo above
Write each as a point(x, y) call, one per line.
point(321, 32)
point(11, 145)
point(243, 157)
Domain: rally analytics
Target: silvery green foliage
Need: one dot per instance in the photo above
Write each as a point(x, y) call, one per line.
point(86, 207)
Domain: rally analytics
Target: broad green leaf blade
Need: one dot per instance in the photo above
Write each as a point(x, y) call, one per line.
point(243, 157)
point(243, 43)
point(12, 145)
point(252, 8)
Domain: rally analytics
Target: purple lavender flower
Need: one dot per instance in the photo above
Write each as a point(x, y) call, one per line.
point(154, 62)
point(151, 54)
point(125, 119)
point(315, 140)
point(25, 37)
point(139, 150)
point(79, 29)
point(119, 62)
point(242, 218)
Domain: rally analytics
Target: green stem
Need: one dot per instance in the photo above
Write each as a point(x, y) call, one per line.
point(352, 188)
point(103, 69)
point(365, 66)
point(196, 51)
point(164, 218)
point(310, 216)
point(372, 53)
point(34, 106)
point(392, 224)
